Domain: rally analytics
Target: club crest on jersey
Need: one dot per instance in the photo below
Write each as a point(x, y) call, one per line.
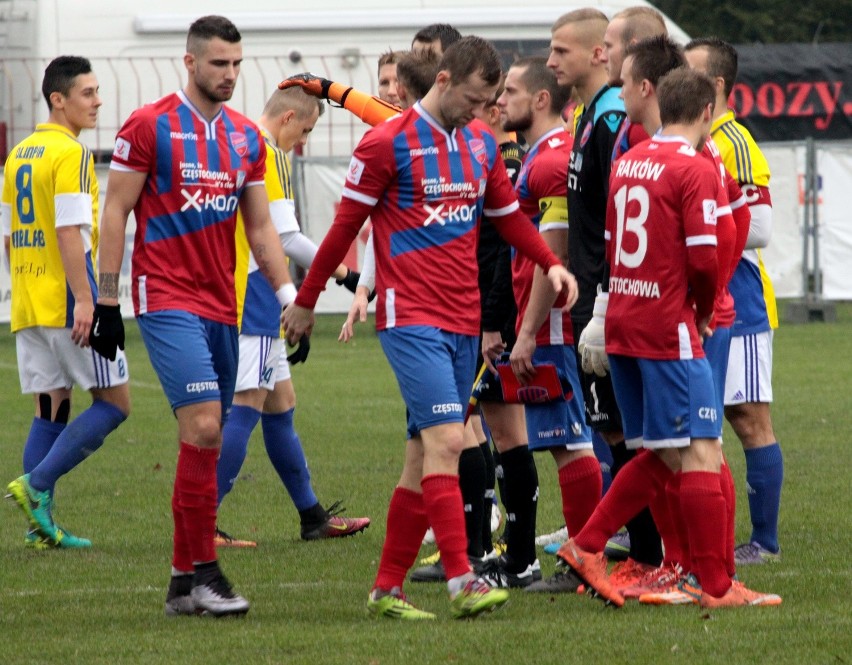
point(239, 143)
point(477, 147)
point(587, 132)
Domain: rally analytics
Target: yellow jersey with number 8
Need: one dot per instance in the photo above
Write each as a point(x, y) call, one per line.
point(49, 182)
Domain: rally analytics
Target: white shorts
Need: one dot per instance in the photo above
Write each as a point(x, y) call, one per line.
point(263, 363)
point(49, 360)
point(749, 377)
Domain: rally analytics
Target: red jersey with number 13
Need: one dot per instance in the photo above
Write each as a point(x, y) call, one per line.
point(663, 200)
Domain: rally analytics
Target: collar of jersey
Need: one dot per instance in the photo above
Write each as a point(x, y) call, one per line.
point(721, 120)
point(54, 127)
point(659, 138)
point(550, 133)
point(198, 114)
point(267, 137)
point(452, 141)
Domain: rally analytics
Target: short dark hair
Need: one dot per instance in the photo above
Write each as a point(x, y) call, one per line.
point(683, 94)
point(60, 73)
point(472, 55)
point(207, 27)
point(538, 76)
point(654, 57)
point(722, 59)
point(416, 71)
point(500, 88)
point(442, 32)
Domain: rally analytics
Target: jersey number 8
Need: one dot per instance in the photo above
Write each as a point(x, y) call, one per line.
point(24, 200)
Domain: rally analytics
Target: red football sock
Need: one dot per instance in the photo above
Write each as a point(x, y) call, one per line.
point(581, 483)
point(705, 513)
point(728, 491)
point(681, 554)
point(195, 487)
point(666, 527)
point(444, 509)
point(181, 553)
point(632, 489)
point(406, 526)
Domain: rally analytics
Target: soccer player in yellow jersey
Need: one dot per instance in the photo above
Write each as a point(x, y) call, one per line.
point(264, 391)
point(49, 210)
point(748, 387)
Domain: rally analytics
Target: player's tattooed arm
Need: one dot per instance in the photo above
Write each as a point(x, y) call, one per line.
point(263, 259)
point(108, 285)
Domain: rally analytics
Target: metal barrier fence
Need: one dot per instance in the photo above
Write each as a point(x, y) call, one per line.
point(126, 83)
point(810, 256)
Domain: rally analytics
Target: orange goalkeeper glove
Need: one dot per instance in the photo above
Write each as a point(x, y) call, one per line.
point(316, 86)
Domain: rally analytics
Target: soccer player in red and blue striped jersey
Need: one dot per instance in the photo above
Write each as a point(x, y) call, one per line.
point(184, 165)
point(425, 178)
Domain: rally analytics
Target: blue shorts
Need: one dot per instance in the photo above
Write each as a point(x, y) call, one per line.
point(561, 423)
point(194, 358)
point(434, 370)
point(717, 349)
point(665, 403)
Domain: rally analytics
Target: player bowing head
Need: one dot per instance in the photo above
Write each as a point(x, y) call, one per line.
point(292, 114)
point(467, 79)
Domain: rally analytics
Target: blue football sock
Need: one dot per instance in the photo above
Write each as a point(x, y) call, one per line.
point(235, 437)
point(43, 433)
point(286, 454)
point(764, 475)
point(604, 455)
point(80, 438)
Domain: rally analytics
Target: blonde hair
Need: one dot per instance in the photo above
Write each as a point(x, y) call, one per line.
point(292, 99)
point(641, 23)
point(593, 22)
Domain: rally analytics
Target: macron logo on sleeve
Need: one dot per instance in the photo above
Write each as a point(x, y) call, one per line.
point(122, 149)
point(356, 170)
point(709, 211)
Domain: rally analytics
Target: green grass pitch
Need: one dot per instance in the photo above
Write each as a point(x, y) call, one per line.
point(308, 599)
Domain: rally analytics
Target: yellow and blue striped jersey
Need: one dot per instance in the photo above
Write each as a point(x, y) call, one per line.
point(258, 311)
point(754, 296)
point(49, 182)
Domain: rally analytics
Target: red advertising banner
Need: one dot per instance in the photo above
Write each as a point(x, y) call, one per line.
point(788, 92)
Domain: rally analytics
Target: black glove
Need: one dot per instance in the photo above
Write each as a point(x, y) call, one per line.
point(350, 281)
point(107, 332)
point(303, 348)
